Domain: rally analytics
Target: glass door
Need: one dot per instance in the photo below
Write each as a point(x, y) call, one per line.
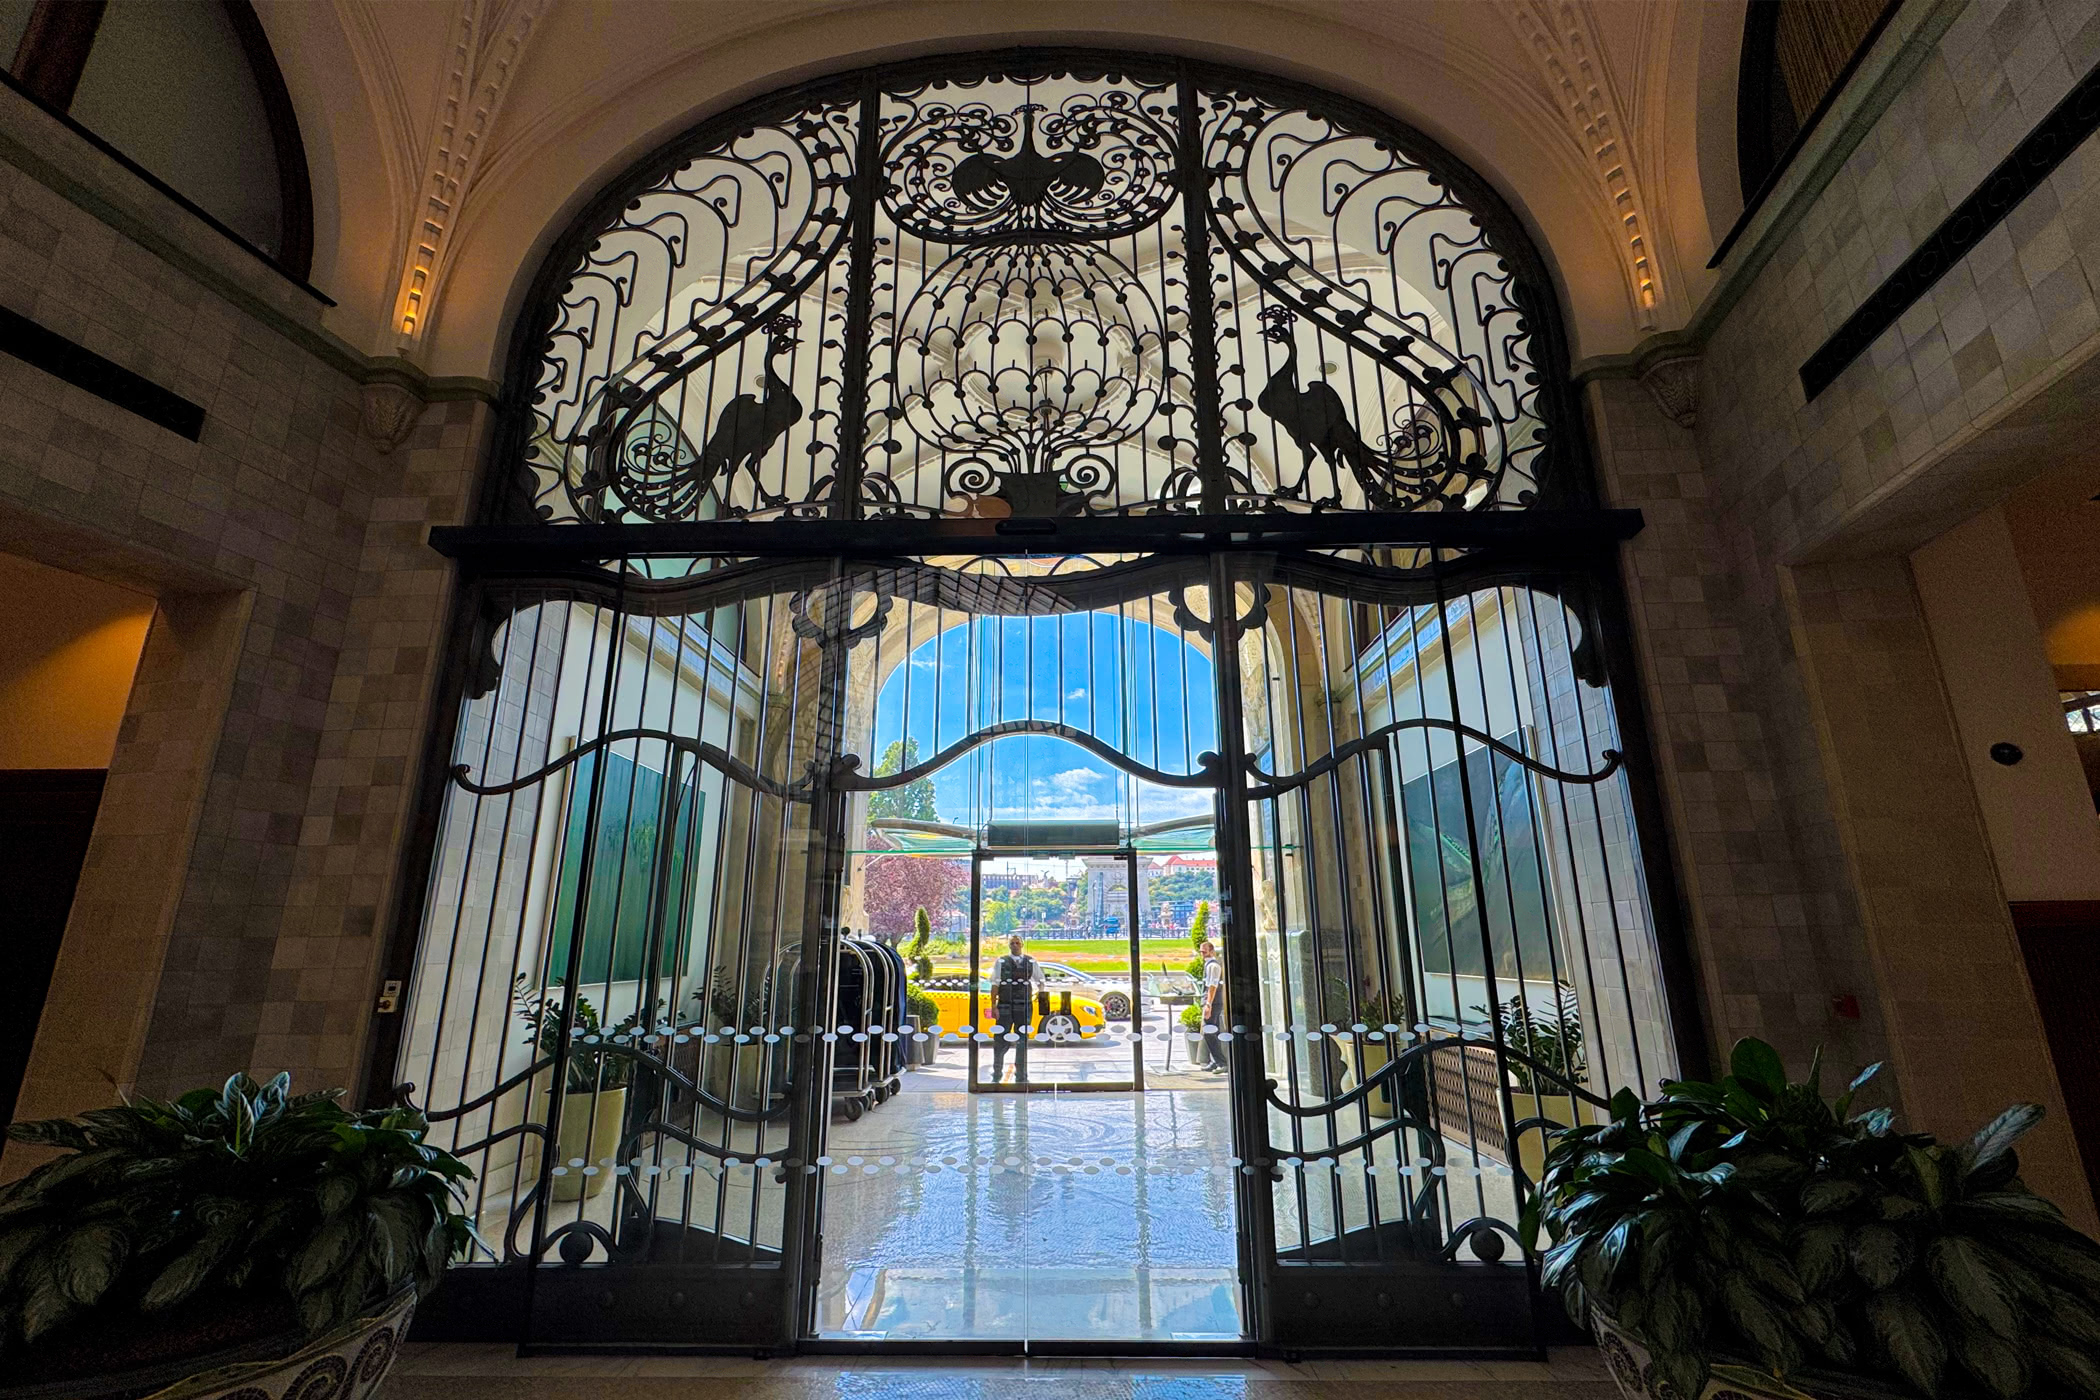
point(1054, 962)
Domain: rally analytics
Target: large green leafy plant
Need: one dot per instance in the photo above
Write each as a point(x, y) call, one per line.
point(1753, 1219)
point(597, 1061)
point(1552, 1039)
point(246, 1190)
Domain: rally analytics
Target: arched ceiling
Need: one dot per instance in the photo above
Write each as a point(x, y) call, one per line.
point(451, 140)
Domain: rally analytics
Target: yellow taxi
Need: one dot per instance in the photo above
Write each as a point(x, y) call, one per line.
point(1060, 1013)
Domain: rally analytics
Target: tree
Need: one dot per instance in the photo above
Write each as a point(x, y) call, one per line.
point(916, 954)
point(898, 886)
point(1199, 927)
point(915, 798)
point(999, 917)
point(1184, 883)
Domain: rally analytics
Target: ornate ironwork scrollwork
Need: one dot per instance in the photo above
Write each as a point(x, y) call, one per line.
point(1017, 307)
point(1096, 165)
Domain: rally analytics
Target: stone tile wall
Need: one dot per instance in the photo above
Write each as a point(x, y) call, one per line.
point(267, 754)
point(1826, 838)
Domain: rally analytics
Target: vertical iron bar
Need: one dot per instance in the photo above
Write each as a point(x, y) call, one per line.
point(1236, 904)
point(860, 301)
point(823, 877)
point(1203, 324)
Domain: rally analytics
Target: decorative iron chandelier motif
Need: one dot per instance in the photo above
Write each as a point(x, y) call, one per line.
point(1043, 287)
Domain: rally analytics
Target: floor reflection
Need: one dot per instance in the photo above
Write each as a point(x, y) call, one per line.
point(951, 1215)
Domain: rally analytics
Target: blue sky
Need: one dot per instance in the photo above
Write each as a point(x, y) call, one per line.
point(1138, 688)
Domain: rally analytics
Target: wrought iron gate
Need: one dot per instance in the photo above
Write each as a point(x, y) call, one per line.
point(1011, 335)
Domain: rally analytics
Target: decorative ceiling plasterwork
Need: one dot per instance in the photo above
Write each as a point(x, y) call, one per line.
point(1562, 40)
point(488, 41)
point(526, 102)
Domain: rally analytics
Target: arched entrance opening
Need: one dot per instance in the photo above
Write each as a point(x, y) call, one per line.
point(1097, 371)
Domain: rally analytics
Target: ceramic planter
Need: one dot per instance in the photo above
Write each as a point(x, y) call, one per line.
point(735, 1073)
point(350, 1363)
point(1372, 1056)
point(1632, 1368)
point(1532, 1144)
point(590, 1130)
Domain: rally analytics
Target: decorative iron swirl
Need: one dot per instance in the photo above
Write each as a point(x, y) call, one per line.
point(719, 247)
point(1340, 227)
point(852, 781)
point(1272, 785)
point(713, 757)
point(1096, 166)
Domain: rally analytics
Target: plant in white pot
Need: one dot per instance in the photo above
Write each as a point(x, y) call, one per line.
point(594, 1084)
point(926, 1012)
point(1750, 1236)
point(1192, 1033)
point(1547, 1062)
point(222, 1243)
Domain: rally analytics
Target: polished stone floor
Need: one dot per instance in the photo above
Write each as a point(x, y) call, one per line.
point(458, 1372)
point(1074, 1213)
point(1044, 1215)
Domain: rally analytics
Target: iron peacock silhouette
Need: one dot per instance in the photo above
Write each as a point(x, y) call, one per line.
point(1403, 473)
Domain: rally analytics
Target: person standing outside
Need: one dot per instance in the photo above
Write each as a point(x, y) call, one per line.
point(1014, 983)
point(1213, 1007)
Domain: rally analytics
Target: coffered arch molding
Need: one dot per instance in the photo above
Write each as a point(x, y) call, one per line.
point(1490, 112)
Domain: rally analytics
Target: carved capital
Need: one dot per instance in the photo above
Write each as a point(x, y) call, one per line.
point(1673, 382)
point(389, 413)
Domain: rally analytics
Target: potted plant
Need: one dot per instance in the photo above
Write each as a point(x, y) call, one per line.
point(1551, 1040)
point(1366, 1056)
point(1751, 1236)
point(736, 1065)
point(1192, 1032)
point(924, 1012)
point(594, 1086)
point(225, 1241)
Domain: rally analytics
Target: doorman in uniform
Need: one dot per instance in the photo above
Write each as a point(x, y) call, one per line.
point(1014, 981)
point(1213, 1007)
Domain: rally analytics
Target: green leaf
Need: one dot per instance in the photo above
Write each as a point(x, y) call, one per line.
point(88, 1260)
point(1997, 1137)
point(1676, 1319)
point(1879, 1254)
point(1930, 1172)
point(2069, 1317)
point(2063, 1253)
point(17, 1244)
point(44, 1304)
point(2068, 1365)
point(2001, 1366)
point(1999, 1208)
point(393, 1235)
point(47, 1179)
point(51, 1132)
point(1910, 1337)
point(1760, 1322)
point(1770, 1271)
point(1829, 1194)
point(1819, 1255)
point(1685, 1371)
point(335, 1192)
point(323, 1257)
point(189, 1270)
point(1757, 1065)
point(1962, 1271)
